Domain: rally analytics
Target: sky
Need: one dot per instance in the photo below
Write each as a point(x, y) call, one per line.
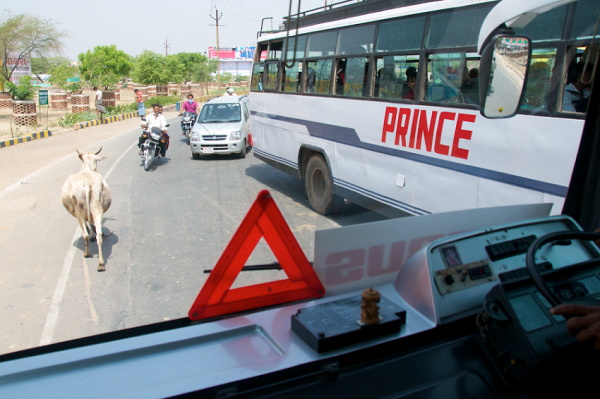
point(136, 26)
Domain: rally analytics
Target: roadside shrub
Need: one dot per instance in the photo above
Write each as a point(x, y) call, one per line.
point(70, 119)
point(161, 100)
point(121, 109)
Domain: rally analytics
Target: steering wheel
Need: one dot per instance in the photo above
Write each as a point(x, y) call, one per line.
point(535, 275)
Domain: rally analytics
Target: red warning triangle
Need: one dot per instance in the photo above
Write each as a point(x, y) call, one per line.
point(263, 220)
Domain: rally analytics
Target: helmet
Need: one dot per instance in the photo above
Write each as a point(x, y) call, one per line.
point(230, 90)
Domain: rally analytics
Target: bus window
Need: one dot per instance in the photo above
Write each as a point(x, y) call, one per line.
point(586, 15)
point(537, 87)
point(402, 34)
point(275, 50)
point(318, 76)
point(456, 29)
point(396, 76)
point(546, 26)
point(292, 77)
point(351, 76)
point(261, 52)
point(300, 47)
point(356, 40)
point(257, 76)
point(453, 78)
point(272, 69)
point(577, 84)
point(321, 44)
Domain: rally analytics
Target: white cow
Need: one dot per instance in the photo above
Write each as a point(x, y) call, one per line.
point(86, 196)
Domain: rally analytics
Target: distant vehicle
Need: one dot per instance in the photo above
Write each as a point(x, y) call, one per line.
point(188, 122)
point(222, 127)
point(151, 147)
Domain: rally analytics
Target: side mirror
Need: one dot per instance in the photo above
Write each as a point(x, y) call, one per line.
point(144, 118)
point(167, 125)
point(504, 68)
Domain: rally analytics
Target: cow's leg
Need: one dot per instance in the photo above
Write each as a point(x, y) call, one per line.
point(92, 232)
point(98, 224)
point(86, 238)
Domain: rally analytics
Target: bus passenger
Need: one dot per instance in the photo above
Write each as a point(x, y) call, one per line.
point(470, 89)
point(577, 93)
point(411, 81)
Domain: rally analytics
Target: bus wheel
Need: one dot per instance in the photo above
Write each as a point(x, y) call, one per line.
point(319, 187)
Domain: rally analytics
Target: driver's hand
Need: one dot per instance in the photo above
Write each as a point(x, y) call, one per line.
point(584, 323)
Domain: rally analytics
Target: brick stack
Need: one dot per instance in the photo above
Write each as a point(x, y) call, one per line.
point(108, 98)
point(81, 103)
point(24, 113)
point(162, 90)
point(118, 95)
point(58, 101)
point(5, 100)
point(172, 88)
point(196, 90)
point(69, 94)
point(185, 90)
point(152, 91)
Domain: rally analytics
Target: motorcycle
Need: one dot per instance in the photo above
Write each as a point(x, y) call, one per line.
point(151, 146)
point(188, 122)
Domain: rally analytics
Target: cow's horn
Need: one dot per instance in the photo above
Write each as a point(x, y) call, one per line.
point(77, 151)
point(98, 152)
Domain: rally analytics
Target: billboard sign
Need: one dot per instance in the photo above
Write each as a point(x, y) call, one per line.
point(232, 53)
point(23, 66)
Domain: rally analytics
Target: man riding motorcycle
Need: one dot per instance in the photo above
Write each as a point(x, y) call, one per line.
point(156, 120)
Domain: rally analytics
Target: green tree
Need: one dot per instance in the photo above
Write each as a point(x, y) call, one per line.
point(24, 91)
point(153, 68)
point(203, 70)
point(189, 61)
point(41, 65)
point(104, 66)
point(26, 35)
point(60, 75)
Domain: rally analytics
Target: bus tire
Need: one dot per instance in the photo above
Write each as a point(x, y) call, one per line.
point(318, 183)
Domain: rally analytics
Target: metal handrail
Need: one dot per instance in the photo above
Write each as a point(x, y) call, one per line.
point(287, 36)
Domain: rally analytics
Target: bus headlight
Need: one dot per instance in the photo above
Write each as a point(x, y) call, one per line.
point(235, 136)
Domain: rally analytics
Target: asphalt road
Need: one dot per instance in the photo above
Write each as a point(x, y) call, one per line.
point(167, 225)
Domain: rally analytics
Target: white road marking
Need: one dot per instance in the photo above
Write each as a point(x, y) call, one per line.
point(52, 317)
point(59, 291)
point(86, 275)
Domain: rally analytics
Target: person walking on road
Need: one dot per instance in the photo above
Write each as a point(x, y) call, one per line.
point(140, 101)
point(100, 110)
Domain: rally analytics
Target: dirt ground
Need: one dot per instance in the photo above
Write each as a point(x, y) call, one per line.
point(47, 118)
point(19, 161)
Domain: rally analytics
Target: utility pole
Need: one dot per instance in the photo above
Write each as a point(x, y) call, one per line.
point(166, 47)
point(217, 17)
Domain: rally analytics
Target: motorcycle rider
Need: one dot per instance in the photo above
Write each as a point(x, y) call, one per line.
point(189, 106)
point(156, 120)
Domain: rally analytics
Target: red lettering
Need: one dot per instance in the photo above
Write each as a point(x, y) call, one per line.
point(426, 132)
point(375, 260)
point(388, 126)
point(459, 134)
point(402, 129)
point(413, 130)
point(439, 147)
point(347, 272)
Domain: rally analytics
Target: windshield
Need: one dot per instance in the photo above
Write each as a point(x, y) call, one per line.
point(359, 124)
point(220, 113)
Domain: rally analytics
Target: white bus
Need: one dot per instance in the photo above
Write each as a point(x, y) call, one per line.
point(381, 107)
